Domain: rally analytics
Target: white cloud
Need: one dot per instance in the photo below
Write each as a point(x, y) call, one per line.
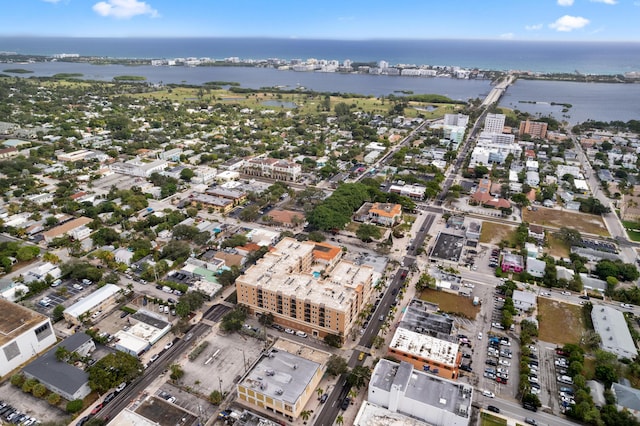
point(507, 36)
point(569, 23)
point(605, 1)
point(533, 27)
point(565, 2)
point(124, 9)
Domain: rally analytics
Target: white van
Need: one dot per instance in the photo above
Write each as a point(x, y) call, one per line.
point(301, 334)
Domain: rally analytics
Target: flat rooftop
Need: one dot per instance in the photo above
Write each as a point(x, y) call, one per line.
point(164, 413)
point(448, 247)
point(423, 387)
point(373, 415)
point(279, 270)
point(16, 319)
point(421, 317)
point(424, 346)
point(281, 375)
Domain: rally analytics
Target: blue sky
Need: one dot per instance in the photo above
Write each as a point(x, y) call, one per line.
point(600, 20)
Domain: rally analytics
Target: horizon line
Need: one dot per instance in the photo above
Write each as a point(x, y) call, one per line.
point(282, 38)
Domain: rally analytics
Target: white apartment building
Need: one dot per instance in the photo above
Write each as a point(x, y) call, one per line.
point(494, 123)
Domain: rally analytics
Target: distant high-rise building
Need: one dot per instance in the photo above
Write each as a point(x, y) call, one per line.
point(383, 65)
point(494, 123)
point(537, 129)
point(347, 63)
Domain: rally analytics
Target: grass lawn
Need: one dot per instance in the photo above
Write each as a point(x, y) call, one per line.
point(557, 247)
point(633, 230)
point(583, 222)
point(589, 367)
point(451, 303)
point(490, 420)
point(560, 323)
point(493, 233)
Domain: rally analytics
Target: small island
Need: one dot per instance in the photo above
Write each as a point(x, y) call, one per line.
point(129, 78)
point(17, 71)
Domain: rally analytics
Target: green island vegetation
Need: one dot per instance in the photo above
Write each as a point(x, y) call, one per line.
point(67, 76)
point(221, 83)
point(17, 71)
point(129, 78)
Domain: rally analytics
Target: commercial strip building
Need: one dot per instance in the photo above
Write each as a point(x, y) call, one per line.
point(308, 287)
point(76, 228)
point(67, 380)
point(137, 167)
point(145, 330)
point(402, 389)
point(614, 333)
point(284, 379)
point(438, 356)
point(23, 334)
point(75, 313)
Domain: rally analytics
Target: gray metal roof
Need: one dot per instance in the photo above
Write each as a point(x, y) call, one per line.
point(48, 370)
point(627, 396)
point(612, 327)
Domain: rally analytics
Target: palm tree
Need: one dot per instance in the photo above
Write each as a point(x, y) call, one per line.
point(339, 420)
point(353, 393)
point(319, 391)
point(305, 415)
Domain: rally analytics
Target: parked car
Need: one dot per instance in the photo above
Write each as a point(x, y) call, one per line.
point(530, 421)
point(107, 399)
point(289, 331)
point(96, 409)
point(121, 386)
point(345, 403)
point(493, 409)
point(154, 357)
point(488, 394)
point(324, 398)
point(301, 334)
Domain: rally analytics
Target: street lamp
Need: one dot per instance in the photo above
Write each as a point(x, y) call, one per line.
point(244, 359)
point(220, 383)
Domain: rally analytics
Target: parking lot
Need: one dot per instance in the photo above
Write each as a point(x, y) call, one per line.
point(34, 407)
point(222, 363)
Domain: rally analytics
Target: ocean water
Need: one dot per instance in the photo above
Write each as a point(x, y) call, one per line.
point(585, 57)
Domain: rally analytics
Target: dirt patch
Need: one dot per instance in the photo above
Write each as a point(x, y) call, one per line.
point(557, 247)
point(451, 303)
point(586, 223)
point(560, 323)
point(493, 233)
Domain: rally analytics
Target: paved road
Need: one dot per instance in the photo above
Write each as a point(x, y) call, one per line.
point(155, 369)
point(515, 411)
point(331, 408)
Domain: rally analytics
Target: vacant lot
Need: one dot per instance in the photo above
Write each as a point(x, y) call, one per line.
point(451, 303)
point(560, 323)
point(557, 247)
point(490, 420)
point(633, 230)
point(493, 233)
point(587, 223)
